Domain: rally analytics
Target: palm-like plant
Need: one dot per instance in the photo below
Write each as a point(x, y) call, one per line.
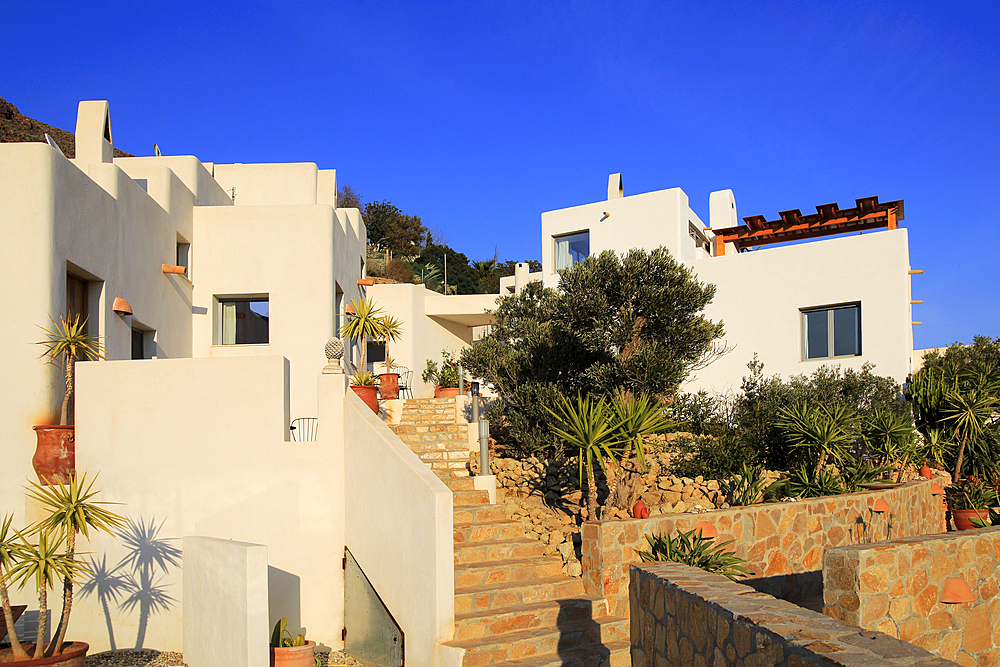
point(891, 437)
point(70, 340)
point(691, 549)
point(10, 550)
point(823, 431)
point(365, 321)
point(589, 426)
point(637, 416)
point(72, 511)
point(968, 405)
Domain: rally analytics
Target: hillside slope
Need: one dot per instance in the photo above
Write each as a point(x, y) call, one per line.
point(16, 127)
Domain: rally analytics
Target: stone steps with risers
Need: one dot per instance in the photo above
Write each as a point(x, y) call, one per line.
point(513, 604)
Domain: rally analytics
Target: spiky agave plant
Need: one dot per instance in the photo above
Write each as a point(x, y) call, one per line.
point(10, 550)
point(696, 551)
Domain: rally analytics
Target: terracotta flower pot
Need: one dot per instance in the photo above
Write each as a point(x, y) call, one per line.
point(640, 511)
point(963, 518)
point(293, 656)
point(369, 395)
point(389, 386)
point(925, 471)
point(445, 392)
point(55, 453)
point(74, 654)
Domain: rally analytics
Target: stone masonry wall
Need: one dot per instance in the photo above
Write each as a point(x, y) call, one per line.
point(895, 587)
point(783, 543)
point(684, 617)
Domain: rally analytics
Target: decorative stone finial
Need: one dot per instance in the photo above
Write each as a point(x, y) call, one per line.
point(334, 353)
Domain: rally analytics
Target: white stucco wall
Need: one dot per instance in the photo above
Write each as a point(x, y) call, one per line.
point(432, 322)
point(760, 294)
point(296, 255)
point(269, 184)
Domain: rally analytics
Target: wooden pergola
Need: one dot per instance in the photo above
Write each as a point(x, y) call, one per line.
point(829, 219)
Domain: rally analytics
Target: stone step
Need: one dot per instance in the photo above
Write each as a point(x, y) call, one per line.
point(428, 401)
point(443, 455)
point(431, 428)
point(542, 641)
point(491, 531)
point(446, 446)
point(428, 418)
point(508, 571)
point(608, 654)
point(499, 596)
point(479, 552)
point(432, 437)
point(548, 614)
point(478, 513)
point(459, 483)
point(461, 498)
point(448, 466)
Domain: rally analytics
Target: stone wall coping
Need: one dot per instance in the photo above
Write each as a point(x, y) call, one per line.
point(917, 540)
point(814, 638)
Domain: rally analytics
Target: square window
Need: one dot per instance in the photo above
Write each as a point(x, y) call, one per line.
point(833, 331)
point(571, 248)
point(243, 321)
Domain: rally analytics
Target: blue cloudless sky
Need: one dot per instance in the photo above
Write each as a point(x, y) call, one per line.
point(480, 116)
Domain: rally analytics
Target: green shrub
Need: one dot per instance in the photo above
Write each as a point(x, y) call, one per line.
point(746, 487)
point(696, 551)
point(711, 457)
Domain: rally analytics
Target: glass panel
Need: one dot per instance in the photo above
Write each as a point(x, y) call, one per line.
point(817, 335)
point(571, 249)
point(845, 331)
point(137, 351)
point(245, 322)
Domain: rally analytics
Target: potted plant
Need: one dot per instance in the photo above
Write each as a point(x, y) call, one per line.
point(444, 377)
point(363, 384)
point(388, 382)
point(43, 553)
point(55, 450)
point(288, 651)
point(365, 321)
point(969, 498)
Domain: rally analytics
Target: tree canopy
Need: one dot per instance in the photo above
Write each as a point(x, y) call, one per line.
point(632, 322)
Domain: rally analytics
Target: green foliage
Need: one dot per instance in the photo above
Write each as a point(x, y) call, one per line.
point(400, 271)
point(972, 493)
point(755, 412)
point(890, 438)
point(460, 274)
point(393, 230)
point(364, 321)
point(69, 339)
point(807, 482)
point(696, 413)
point(823, 431)
point(362, 378)
point(445, 375)
point(982, 351)
point(712, 457)
point(861, 471)
point(696, 551)
point(747, 487)
point(632, 322)
point(278, 638)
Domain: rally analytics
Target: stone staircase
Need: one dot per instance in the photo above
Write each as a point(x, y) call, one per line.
point(513, 605)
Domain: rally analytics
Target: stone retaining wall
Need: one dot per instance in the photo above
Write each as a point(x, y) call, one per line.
point(783, 543)
point(684, 617)
point(895, 587)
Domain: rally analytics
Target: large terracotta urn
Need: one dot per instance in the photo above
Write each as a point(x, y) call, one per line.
point(55, 454)
point(367, 394)
point(293, 656)
point(73, 654)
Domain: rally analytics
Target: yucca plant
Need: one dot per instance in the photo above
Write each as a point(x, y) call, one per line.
point(365, 321)
point(746, 487)
point(696, 551)
point(362, 378)
point(590, 427)
point(825, 432)
point(637, 416)
point(70, 340)
point(50, 553)
point(892, 439)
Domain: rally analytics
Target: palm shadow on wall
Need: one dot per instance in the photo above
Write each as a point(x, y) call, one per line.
point(135, 583)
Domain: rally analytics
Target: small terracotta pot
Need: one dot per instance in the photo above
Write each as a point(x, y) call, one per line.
point(640, 511)
point(74, 654)
point(445, 392)
point(369, 395)
point(925, 471)
point(389, 386)
point(963, 518)
point(293, 656)
point(55, 453)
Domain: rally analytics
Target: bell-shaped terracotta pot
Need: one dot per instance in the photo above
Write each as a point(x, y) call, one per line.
point(956, 590)
point(705, 530)
point(640, 511)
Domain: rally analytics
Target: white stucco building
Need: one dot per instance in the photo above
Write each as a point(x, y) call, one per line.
point(843, 300)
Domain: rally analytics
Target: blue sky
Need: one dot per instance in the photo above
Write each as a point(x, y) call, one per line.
point(479, 116)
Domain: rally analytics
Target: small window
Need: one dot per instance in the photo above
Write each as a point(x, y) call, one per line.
point(243, 321)
point(374, 354)
point(571, 248)
point(183, 255)
point(834, 331)
point(700, 240)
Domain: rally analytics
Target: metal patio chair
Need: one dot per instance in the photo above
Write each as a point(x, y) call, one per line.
point(405, 381)
point(304, 429)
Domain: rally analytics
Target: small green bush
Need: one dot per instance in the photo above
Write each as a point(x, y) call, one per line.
point(713, 458)
point(696, 551)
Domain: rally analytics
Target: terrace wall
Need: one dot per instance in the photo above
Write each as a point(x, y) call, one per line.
point(895, 587)
point(783, 543)
point(682, 616)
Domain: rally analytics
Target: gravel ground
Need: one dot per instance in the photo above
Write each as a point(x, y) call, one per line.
point(173, 659)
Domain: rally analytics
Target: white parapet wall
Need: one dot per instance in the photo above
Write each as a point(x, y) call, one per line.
point(400, 531)
point(225, 603)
